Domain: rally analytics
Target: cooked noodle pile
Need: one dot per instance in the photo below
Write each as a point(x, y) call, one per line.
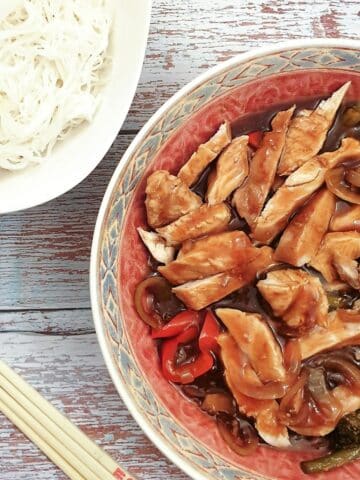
point(53, 62)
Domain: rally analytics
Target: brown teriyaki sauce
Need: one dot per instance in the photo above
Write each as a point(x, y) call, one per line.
point(248, 298)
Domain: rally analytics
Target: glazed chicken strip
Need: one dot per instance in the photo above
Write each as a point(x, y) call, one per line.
point(337, 257)
point(199, 294)
point(249, 199)
point(157, 246)
point(343, 329)
point(210, 255)
point(298, 188)
point(301, 239)
point(295, 296)
point(232, 167)
point(348, 270)
point(265, 412)
point(232, 239)
point(256, 340)
point(346, 220)
point(205, 154)
point(168, 198)
point(307, 133)
point(206, 220)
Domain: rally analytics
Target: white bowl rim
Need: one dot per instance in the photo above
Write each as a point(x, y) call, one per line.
point(253, 53)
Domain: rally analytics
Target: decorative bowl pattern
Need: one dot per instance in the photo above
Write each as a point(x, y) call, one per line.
point(246, 84)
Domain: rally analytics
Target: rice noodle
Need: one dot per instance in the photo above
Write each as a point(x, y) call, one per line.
point(53, 63)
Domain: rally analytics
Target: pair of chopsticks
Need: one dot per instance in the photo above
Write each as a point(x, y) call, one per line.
point(61, 441)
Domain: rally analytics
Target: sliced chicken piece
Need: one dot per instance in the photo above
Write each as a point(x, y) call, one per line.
point(157, 246)
point(336, 286)
point(250, 197)
point(232, 167)
point(205, 154)
point(343, 329)
point(301, 239)
point(206, 220)
point(210, 255)
point(199, 294)
point(348, 270)
point(307, 133)
point(346, 220)
point(168, 198)
point(298, 188)
point(265, 412)
point(336, 255)
point(256, 340)
point(232, 239)
point(349, 400)
point(290, 196)
point(297, 297)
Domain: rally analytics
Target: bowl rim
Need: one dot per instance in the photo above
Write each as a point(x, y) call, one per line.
point(95, 293)
point(111, 135)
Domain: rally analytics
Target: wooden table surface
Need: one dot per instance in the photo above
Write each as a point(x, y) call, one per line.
point(46, 329)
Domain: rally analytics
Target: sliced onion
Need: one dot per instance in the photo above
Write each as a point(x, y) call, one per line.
point(245, 382)
point(350, 371)
point(286, 413)
point(352, 115)
point(348, 315)
point(267, 391)
point(317, 383)
point(218, 403)
point(144, 298)
point(292, 360)
point(335, 181)
point(271, 390)
point(327, 404)
point(315, 405)
point(353, 176)
point(242, 441)
point(193, 391)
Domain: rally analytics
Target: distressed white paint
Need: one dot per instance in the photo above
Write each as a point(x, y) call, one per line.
point(50, 322)
point(44, 253)
point(69, 372)
point(187, 37)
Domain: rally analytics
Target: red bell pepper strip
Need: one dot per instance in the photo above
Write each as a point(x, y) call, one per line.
point(188, 372)
point(178, 324)
point(205, 360)
point(255, 139)
point(209, 333)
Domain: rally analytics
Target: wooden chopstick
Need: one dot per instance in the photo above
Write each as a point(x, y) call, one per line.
point(27, 412)
point(54, 429)
point(44, 447)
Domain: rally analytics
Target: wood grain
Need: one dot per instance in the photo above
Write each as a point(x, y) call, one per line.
point(187, 37)
point(69, 372)
point(47, 322)
point(44, 252)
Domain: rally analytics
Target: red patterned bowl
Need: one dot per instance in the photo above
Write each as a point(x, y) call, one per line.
point(246, 84)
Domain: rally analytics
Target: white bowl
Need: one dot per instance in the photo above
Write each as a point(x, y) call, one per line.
point(75, 157)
